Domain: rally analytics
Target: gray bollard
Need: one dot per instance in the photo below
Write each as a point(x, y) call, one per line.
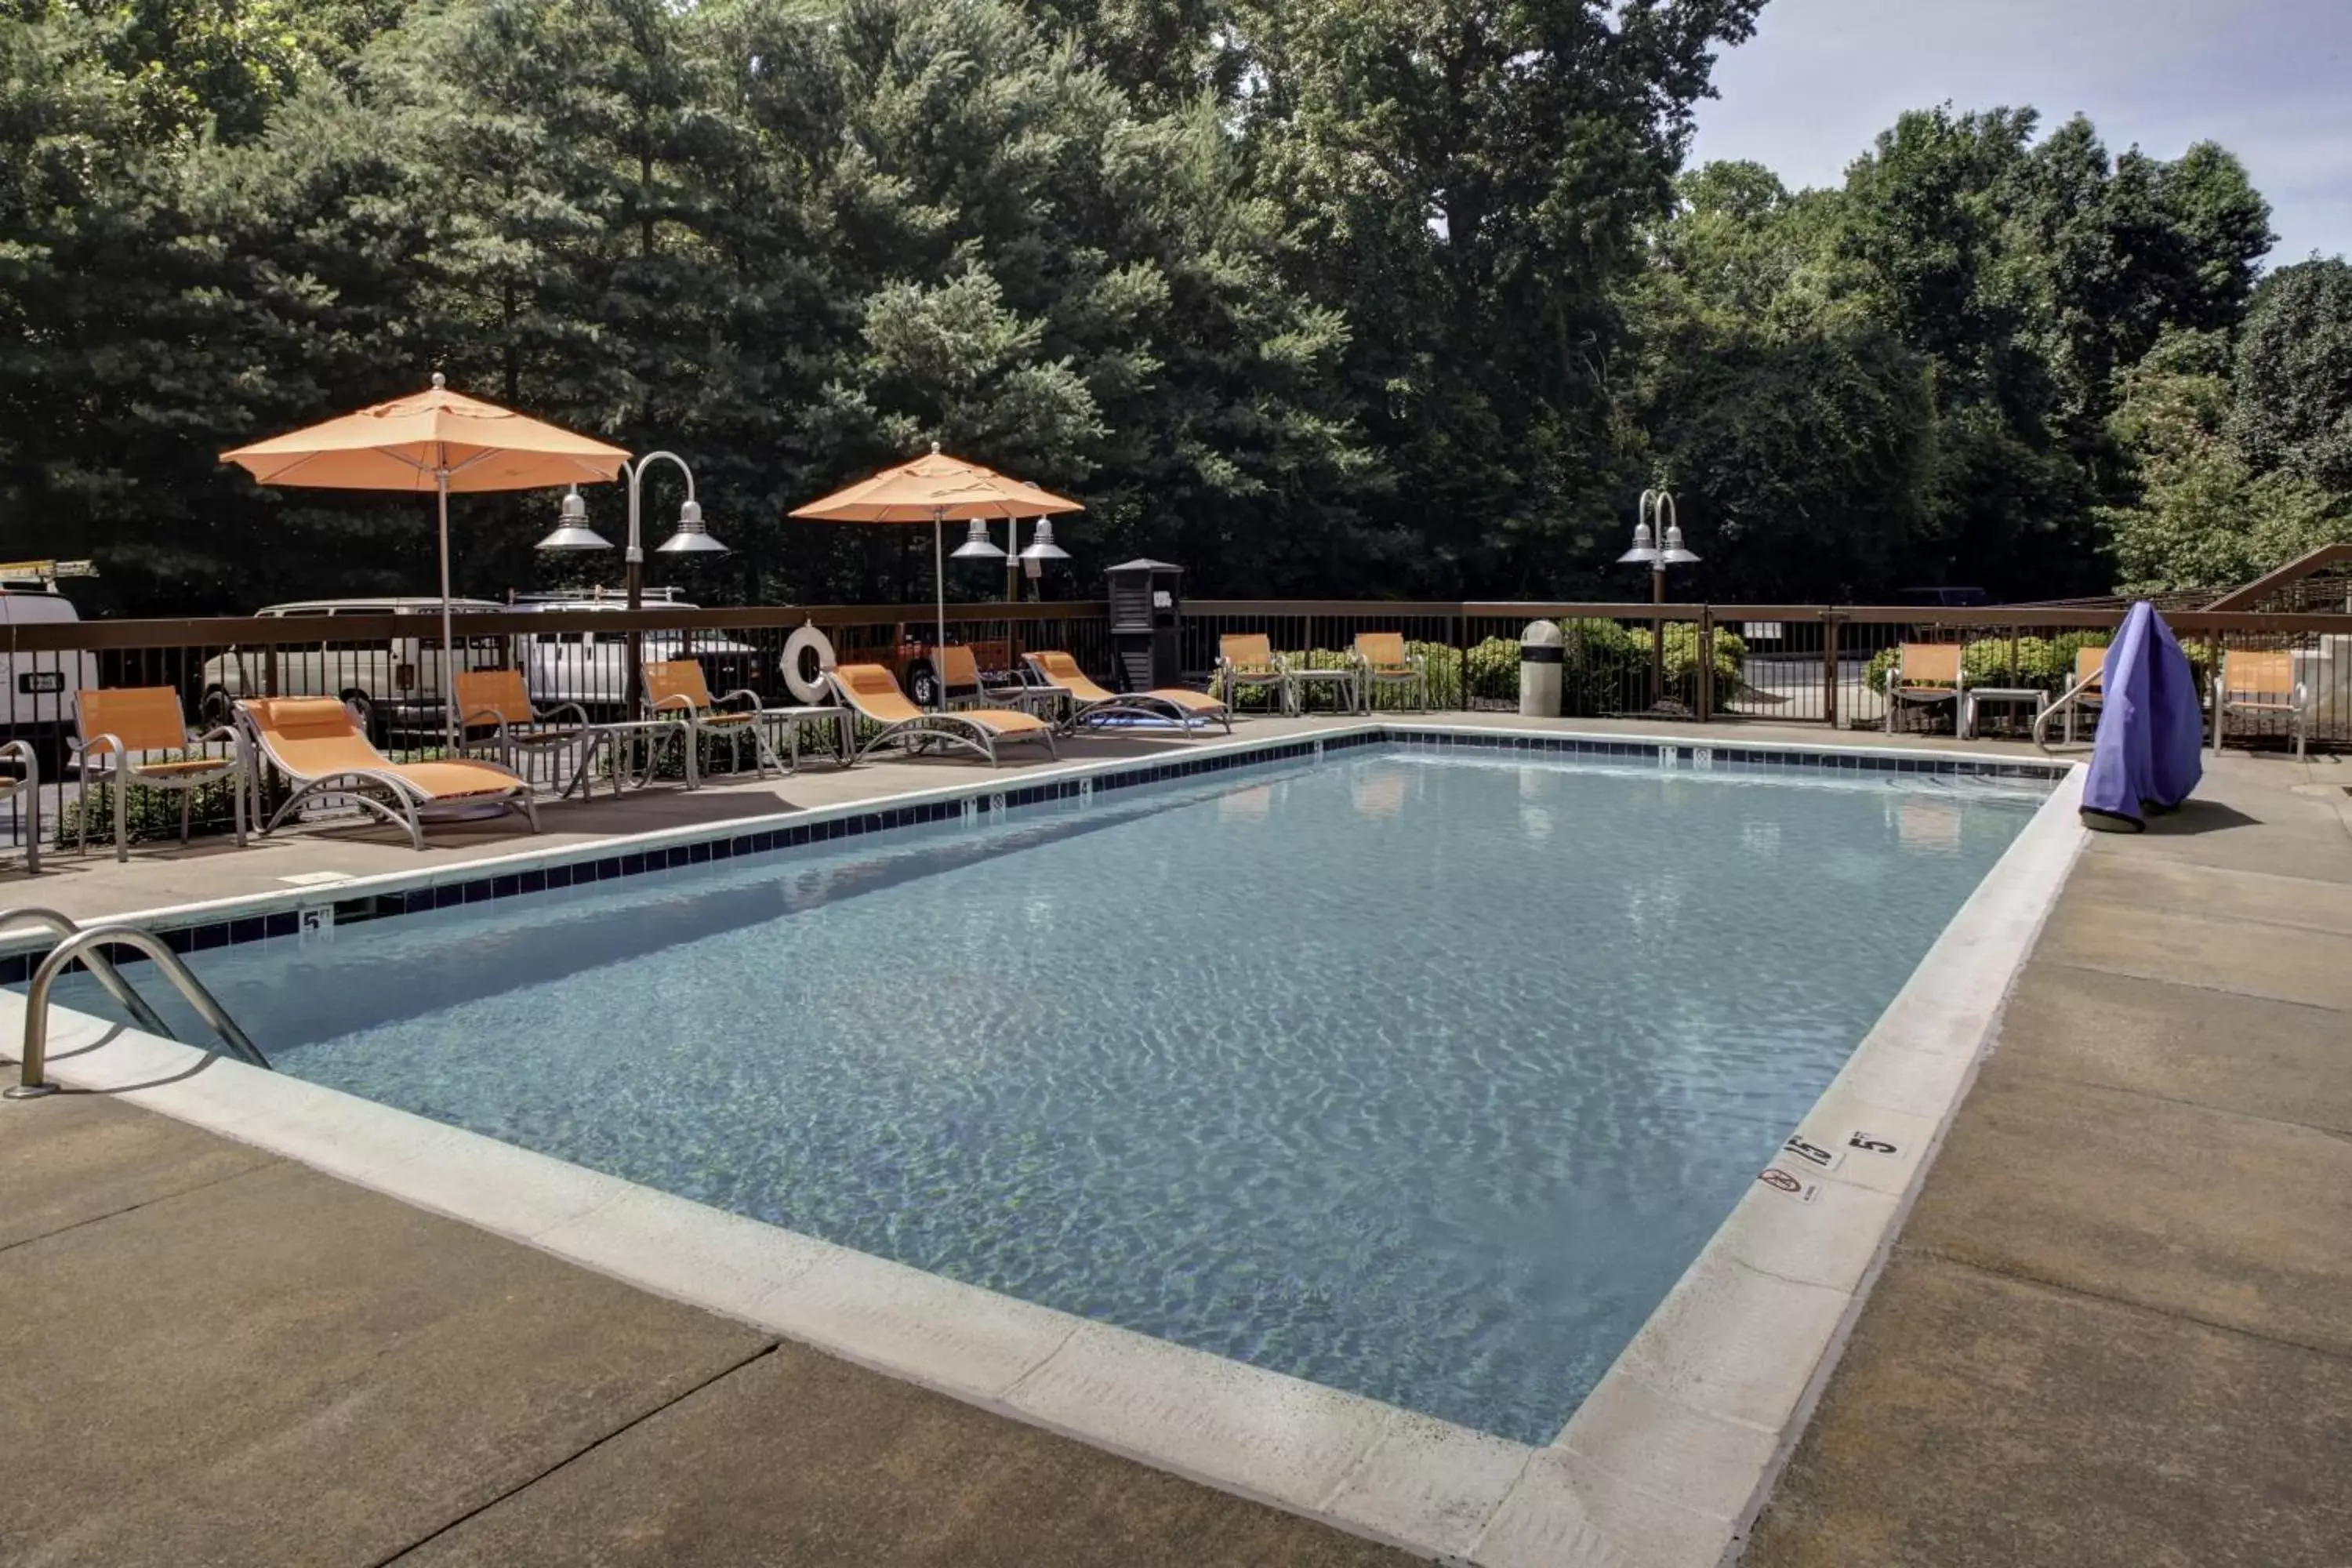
point(1540, 653)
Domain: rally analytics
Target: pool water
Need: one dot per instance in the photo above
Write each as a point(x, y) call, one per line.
point(1419, 1076)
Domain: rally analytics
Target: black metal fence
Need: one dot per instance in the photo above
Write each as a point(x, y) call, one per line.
point(1761, 663)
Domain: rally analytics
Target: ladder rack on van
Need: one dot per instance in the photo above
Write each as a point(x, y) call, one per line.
point(44, 575)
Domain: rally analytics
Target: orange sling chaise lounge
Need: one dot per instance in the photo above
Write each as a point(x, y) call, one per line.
point(872, 693)
point(322, 752)
point(1090, 701)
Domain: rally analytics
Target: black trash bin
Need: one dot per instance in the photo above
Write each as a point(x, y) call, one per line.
point(1146, 598)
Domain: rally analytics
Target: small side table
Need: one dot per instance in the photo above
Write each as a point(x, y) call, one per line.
point(1295, 683)
point(2034, 696)
point(790, 721)
point(605, 740)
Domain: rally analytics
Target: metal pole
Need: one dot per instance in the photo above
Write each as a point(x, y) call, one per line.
point(632, 687)
point(448, 644)
point(1658, 627)
point(1828, 681)
point(940, 586)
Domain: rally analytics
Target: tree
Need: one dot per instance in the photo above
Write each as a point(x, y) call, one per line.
point(2293, 408)
point(2206, 517)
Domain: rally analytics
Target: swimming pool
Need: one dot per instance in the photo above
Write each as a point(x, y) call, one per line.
point(1421, 1076)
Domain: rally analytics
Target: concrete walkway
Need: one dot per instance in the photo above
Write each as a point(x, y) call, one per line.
point(215, 1357)
point(2118, 1328)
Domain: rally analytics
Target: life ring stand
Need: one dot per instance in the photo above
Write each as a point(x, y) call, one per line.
point(799, 647)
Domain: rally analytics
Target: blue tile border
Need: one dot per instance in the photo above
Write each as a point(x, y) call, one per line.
point(15, 969)
point(1840, 759)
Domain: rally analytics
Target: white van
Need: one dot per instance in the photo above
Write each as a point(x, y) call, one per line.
point(395, 685)
point(40, 687)
point(591, 669)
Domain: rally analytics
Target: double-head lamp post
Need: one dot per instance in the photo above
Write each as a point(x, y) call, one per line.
point(1657, 549)
point(573, 532)
point(978, 546)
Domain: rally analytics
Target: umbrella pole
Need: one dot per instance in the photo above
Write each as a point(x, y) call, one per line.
point(449, 645)
point(940, 586)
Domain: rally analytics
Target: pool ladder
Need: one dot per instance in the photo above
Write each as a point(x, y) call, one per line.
point(83, 944)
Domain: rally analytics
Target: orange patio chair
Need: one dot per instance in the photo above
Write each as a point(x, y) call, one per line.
point(2088, 689)
point(499, 700)
point(1924, 674)
point(2262, 681)
point(962, 686)
point(1383, 659)
point(1248, 659)
point(872, 693)
point(674, 688)
point(1090, 702)
point(324, 752)
point(121, 729)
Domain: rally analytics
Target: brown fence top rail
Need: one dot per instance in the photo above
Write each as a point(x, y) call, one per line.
point(266, 631)
point(279, 631)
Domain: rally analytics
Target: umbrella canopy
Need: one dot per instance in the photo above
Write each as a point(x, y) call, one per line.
point(408, 443)
point(935, 489)
point(938, 489)
point(436, 440)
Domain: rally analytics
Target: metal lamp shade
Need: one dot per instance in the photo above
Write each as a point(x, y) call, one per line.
point(571, 529)
point(1043, 547)
point(977, 545)
point(691, 538)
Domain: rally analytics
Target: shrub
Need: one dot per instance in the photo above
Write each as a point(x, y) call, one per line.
point(154, 813)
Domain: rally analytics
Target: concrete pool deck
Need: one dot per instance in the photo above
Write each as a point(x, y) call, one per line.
point(570, 1515)
point(2117, 1327)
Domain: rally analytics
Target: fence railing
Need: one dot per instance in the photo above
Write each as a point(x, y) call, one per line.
point(1716, 663)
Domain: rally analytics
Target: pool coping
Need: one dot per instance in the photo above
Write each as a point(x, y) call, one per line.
point(1666, 1461)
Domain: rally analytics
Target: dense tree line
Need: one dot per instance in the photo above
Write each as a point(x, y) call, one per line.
point(1389, 297)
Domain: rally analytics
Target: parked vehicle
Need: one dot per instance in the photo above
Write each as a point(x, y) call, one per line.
point(395, 686)
point(592, 668)
point(40, 687)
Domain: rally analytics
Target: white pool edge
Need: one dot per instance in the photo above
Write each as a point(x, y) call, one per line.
point(1665, 1462)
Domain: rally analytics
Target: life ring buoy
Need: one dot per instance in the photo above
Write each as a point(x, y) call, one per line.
point(808, 653)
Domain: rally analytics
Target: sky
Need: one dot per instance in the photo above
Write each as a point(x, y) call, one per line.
point(2268, 79)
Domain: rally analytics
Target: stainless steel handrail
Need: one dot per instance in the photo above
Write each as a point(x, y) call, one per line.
point(33, 1080)
point(101, 967)
point(2067, 701)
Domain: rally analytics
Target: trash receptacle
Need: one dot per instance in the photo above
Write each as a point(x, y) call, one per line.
point(1542, 653)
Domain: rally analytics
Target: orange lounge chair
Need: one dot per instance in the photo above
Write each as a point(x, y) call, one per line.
point(120, 726)
point(1383, 659)
point(322, 752)
point(2262, 681)
point(962, 686)
point(2088, 689)
point(872, 693)
point(499, 701)
point(674, 688)
point(1089, 701)
point(1248, 658)
point(1924, 674)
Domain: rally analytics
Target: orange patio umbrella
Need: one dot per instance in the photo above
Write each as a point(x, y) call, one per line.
point(436, 440)
point(938, 489)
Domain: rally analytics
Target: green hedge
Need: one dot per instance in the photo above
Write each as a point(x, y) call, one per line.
point(154, 812)
point(1607, 670)
point(2044, 663)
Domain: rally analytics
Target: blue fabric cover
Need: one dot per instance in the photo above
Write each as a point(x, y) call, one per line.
point(2150, 750)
